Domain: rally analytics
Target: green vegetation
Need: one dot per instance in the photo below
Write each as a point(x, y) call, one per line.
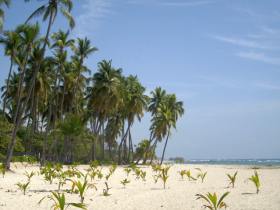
point(256, 180)
point(106, 190)
point(201, 174)
point(213, 203)
point(59, 202)
point(232, 179)
point(54, 110)
point(23, 186)
point(124, 182)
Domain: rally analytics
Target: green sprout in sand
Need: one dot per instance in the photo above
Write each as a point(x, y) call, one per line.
point(232, 179)
point(23, 186)
point(125, 182)
point(59, 202)
point(256, 180)
point(106, 190)
point(213, 203)
point(201, 174)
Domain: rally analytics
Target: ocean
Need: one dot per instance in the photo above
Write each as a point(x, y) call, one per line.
point(266, 162)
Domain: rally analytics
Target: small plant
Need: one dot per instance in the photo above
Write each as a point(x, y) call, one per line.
point(137, 172)
point(81, 187)
point(23, 186)
point(212, 201)
point(106, 190)
point(125, 182)
point(256, 180)
point(29, 175)
point(182, 173)
point(143, 175)
point(163, 175)
point(59, 202)
point(111, 171)
point(2, 170)
point(189, 175)
point(127, 171)
point(202, 176)
point(232, 179)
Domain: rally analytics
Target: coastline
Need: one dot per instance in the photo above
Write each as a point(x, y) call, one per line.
point(138, 194)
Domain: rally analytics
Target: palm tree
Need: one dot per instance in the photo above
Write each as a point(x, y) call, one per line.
point(81, 51)
point(104, 96)
point(168, 115)
point(7, 4)
point(11, 42)
point(49, 11)
point(135, 103)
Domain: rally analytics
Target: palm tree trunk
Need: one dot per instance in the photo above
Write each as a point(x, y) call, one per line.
point(8, 85)
point(163, 153)
point(153, 151)
point(19, 121)
point(121, 143)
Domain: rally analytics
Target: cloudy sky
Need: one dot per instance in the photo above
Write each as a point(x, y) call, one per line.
point(221, 57)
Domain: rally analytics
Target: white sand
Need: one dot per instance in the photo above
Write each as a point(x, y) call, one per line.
point(179, 194)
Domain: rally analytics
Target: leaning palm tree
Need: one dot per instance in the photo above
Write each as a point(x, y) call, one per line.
point(49, 11)
point(11, 41)
point(2, 14)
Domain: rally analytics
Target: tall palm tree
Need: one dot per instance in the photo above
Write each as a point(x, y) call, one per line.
point(49, 11)
point(2, 14)
point(10, 40)
point(168, 113)
point(135, 103)
point(104, 96)
point(28, 35)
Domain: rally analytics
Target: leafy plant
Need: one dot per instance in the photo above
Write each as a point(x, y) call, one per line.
point(81, 187)
point(213, 203)
point(59, 202)
point(232, 179)
point(111, 171)
point(163, 175)
point(127, 171)
point(256, 180)
point(29, 175)
point(202, 176)
point(23, 186)
point(189, 175)
point(125, 182)
point(182, 173)
point(106, 190)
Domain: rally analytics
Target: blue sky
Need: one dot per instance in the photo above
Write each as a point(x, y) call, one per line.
point(221, 57)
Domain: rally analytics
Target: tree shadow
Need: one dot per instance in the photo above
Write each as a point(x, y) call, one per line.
point(248, 193)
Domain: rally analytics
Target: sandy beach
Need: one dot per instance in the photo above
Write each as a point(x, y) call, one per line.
point(139, 194)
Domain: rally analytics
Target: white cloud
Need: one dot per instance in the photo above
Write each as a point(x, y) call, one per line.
point(244, 42)
point(260, 57)
point(94, 11)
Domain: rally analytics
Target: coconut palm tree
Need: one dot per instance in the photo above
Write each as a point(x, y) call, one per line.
point(2, 14)
point(28, 39)
point(10, 40)
point(49, 11)
point(169, 113)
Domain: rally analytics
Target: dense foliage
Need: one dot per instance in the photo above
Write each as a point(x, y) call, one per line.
point(54, 110)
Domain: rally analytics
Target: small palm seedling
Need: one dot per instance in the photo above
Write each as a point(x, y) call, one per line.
point(201, 174)
point(163, 175)
point(189, 175)
point(125, 182)
point(127, 171)
point(256, 180)
point(112, 169)
point(143, 175)
point(81, 187)
point(2, 170)
point(106, 190)
point(29, 175)
point(182, 173)
point(137, 172)
point(213, 203)
point(59, 202)
point(156, 168)
point(23, 186)
point(232, 179)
